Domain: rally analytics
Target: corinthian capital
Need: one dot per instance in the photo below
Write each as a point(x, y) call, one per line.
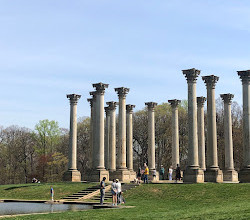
point(73, 98)
point(174, 103)
point(130, 108)
point(112, 105)
point(151, 105)
point(210, 80)
point(122, 91)
point(201, 101)
point(244, 75)
point(227, 98)
point(191, 74)
point(100, 87)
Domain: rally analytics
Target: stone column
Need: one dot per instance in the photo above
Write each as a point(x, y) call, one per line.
point(175, 132)
point(129, 142)
point(99, 168)
point(123, 174)
point(112, 136)
point(244, 175)
point(212, 173)
point(73, 174)
point(192, 173)
point(229, 173)
point(151, 139)
point(93, 129)
point(91, 101)
point(107, 130)
point(151, 134)
point(201, 132)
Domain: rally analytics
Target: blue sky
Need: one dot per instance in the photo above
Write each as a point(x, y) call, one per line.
point(52, 48)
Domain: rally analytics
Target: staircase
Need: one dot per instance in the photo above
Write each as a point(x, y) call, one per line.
point(83, 194)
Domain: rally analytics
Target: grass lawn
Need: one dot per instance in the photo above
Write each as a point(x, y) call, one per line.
point(40, 191)
point(173, 201)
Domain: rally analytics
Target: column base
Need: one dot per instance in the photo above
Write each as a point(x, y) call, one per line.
point(72, 176)
point(230, 176)
point(244, 175)
point(97, 175)
point(213, 175)
point(193, 175)
point(122, 175)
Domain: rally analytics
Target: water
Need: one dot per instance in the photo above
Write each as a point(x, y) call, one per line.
point(13, 208)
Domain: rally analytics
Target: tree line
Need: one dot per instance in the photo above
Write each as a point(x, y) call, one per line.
point(43, 152)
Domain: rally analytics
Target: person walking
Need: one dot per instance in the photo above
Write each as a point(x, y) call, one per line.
point(52, 193)
point(146, 173)
point(162, 171)
point(102, 190)
point(170, 173)
point(119, 191)
point(178, 173)
point(114, 192)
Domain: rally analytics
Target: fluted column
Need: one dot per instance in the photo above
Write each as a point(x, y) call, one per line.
point(201, 132)
point(91, 101)
point(107, 130)
point(192, 172)
point(129, 143)
point(151, 134)
point(175, 132)
point(121, 162)
point(229, 161)
point(212, 161)
point(229, 173)
point(244, 174)
point(93, 129)
point(212, 173)
point(112, 136)
point(100, 90)
point(73, 174)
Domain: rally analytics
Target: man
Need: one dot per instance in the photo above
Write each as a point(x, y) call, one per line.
point(119, 191)
point(102, 190)
point(146, 173)
point(162, 171)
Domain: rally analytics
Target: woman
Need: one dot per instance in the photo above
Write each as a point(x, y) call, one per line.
point(114, 192)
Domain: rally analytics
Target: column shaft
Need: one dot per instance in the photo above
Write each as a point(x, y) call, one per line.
point(201, 132)
point(151, 134)
point(107, 131)
point(129, 143)
point(112, 141)
point(175, 132)
point(122, 128)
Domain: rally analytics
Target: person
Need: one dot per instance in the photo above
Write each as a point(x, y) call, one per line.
point(146, 173)
point(52, 193)
point(170, 173)
point(139, 175)
point(178, 173)
point(154, 175)
point(162, 170)
point(102, 190)
point(114, 192)
point(119, 191)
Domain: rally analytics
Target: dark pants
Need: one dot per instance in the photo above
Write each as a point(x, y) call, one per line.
point(145, 178)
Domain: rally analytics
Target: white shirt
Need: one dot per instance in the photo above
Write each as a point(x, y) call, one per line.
point(119, 187)
point(170, 170)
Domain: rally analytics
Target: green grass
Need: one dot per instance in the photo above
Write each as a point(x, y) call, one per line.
point(40, 191)
point(173, 201)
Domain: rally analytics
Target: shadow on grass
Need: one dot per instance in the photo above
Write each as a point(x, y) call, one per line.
point(17, 187)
